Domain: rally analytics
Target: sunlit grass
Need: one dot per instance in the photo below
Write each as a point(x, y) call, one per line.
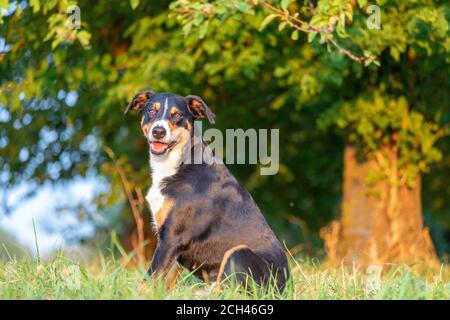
point(108, 278)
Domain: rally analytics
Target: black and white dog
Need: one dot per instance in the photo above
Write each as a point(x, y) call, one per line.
point(205, 220)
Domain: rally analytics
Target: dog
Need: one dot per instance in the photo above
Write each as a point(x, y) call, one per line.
point(204, 219)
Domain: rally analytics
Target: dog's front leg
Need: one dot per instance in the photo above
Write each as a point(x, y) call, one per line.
point(164, 259)
point(164, 267)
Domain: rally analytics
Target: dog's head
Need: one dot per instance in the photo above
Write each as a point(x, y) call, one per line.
point(168, 119)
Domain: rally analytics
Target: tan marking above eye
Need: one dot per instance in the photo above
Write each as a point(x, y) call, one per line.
point(174, 110)
point(155, 108)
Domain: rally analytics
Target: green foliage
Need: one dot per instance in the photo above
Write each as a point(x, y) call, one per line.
point(369, 122)
point(328, 19)
point(253, 68)
point(378, 120)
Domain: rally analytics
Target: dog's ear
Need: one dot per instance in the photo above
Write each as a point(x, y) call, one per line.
point(139, 101)
point(200, 109)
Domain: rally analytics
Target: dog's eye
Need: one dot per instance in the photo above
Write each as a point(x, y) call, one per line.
point(177, 116)
point(152, 111)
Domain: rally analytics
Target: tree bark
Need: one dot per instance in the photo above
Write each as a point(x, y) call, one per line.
point(381, 223)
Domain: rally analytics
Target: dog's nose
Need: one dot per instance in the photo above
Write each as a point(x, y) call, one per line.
point(159, 132)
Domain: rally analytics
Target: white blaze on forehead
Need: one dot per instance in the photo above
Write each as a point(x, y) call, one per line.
point(163, 123)
point(166, 107)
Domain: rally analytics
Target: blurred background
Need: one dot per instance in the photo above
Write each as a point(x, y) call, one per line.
point(363, 115)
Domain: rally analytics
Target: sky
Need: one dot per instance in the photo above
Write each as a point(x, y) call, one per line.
point(51, 224)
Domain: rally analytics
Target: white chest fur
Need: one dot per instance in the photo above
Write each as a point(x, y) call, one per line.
point(162, 167)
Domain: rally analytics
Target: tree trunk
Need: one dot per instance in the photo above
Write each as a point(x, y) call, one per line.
point(380, 223)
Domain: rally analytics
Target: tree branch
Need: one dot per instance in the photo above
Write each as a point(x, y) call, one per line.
point(139, 246)
point(304, 26)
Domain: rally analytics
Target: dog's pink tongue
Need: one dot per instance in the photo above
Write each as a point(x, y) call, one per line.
point(158, 146)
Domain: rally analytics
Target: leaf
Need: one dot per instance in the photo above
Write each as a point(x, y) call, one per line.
point(285, 4)
point(35, 5)
point(282, 26)
point(56, 42)
point(245, 8)
point(395, 53)
point(294, 35)
point(267, 20)
point(4, 4)
point(362, 3)
point(279, 101)
point(187, 28)
point(84, 37)
point(340, 27)
point(311, 36)
point(134, 4)
point(203, 29)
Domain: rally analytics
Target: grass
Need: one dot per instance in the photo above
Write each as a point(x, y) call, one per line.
point(108, 278)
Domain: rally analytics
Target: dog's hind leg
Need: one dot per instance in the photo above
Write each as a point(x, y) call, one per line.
point(241, 262)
